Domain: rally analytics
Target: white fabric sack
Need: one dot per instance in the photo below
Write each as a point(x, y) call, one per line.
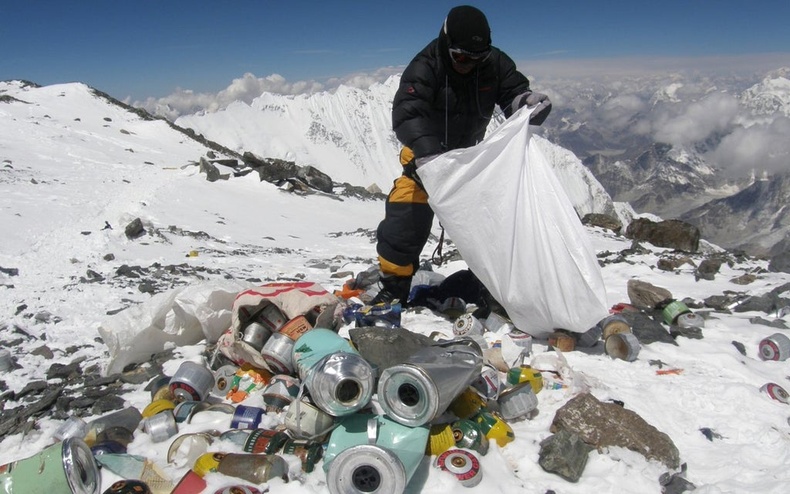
point(516, 228)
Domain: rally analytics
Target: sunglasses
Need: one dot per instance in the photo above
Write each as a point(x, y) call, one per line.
point(465, 57)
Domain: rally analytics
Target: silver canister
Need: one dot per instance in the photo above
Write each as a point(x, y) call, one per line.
point(690, 320)
point(72, 427)
point(614, 324)
point(341, 383)
point(272, 317)
point(517, 402)
point(161, 426)
point(467, 325)
point(278, 354)
point(191, 382)
point(521, 340)
point(255, 334)
point(417, 391)
point(306, 421)
point(776, 392)
point(775, 347)
point(589, 338)
point(462, 463)
point(624, 346)
point(223, 380)
point(498, 324)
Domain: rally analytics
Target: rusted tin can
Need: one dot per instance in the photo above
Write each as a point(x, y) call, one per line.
point(468, 434)
point(257, 469)
point(674, 309)
point(417, 391)
point(775, 347)
point(464, 464)
point(265, 441)
point(623, 346)
point(278, 354)
point(255, 334)
point(468, 325)
point(309, 452)
point(517, 402)
point(776, 392)
point(191, 382)
point(296, 327)
point(280, 392)
point(613, 324)
point(562, 341)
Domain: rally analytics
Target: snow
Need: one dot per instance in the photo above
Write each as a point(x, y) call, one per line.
point(62, 181)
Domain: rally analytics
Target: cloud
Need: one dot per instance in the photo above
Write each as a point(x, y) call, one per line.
point(248, 87)
point(759, 147)
point(687, 123)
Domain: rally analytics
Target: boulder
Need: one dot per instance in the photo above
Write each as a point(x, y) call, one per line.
point(672, 234)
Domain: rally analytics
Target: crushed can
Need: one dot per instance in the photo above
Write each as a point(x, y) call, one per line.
point(775, 347)
point(187, 448)
point(306, 421)
point(66, 466)
point(417, 391)
point(487, 384)
point(517, 402)
point(369, 453)
point(128, 418)
point(463, 464)
point(257, 469)
point(191, 382)
point(339, 380)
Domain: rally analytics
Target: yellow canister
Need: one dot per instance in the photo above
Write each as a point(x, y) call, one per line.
point(494, 428)
point(207, 462)
point(440, 439)
point(467, 404)
point(157, 406)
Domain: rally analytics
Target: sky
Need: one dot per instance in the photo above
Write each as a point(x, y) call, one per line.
point(97, 165)
point(142, 49)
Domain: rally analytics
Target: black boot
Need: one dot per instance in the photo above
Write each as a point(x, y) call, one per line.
point(393, 288)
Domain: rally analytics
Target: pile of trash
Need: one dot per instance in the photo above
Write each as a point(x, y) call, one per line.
point(365, 408)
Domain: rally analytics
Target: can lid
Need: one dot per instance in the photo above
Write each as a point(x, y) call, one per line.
point(366, 468)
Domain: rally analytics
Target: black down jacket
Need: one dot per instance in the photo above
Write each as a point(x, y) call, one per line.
point(437, 109)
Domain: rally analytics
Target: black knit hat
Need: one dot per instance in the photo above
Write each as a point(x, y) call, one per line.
point(466, 27)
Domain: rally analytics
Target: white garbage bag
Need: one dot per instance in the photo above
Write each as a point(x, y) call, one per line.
point(516, 228)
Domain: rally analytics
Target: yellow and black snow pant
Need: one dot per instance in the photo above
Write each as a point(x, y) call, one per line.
point(407, 222)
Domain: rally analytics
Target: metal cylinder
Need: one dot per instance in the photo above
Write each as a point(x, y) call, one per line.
point(161, 426)
point(776, 392)
point(272, 317)
point(463, 464)
point(191, 382)
point(775, 347)
point(673, 310)
point(67, 466)
point(255, 334)
point(517, 402)
point(223, 379)
point(246, 417)
point(307, 421)
point(257, 469)
point(613, 324)
point(417, 391)
point(623, 346)
point(690, 320)
point(467, 325)
point(281, 390)
point(296, 327)
point(278, 354)
point(468, 434)
point(366, 468)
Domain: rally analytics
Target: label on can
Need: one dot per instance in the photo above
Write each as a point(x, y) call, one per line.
point(272, 317)
point(776, 392)
point(296, 327)
point(463, 464)
point(673, 310)
point(775, 347)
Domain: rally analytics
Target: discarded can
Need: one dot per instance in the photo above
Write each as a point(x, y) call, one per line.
point(72, 427)
point(368, 453)
point(562, 341)
point(278, 354)
point(206, 463)
point(776, 392)
point(517, 402)
point(340, 381)
point(128, 418)
point(160, 388)
point(223, 377)
point(187, 448)
point(775, 347)
point(467, 325)
point(190, 483)
point(673, 310)
point(257, 469)
point(309, 452)
point(307, 421)
point(468, 434)
point(440, 438)
point(280, 392)
point(494, 428)
point(614, 324)
point(161, 426)
point(525, 374)
point(623, 346)
point(120, 435)
point(488, 383)
point(246, 417)
point(296, 327)
point(420, 389)
point(589, 338)
point(157, 406)
point(265, 441)
point(466, 404)
point(66, 466)
point(238, 489)
point(272, 317)
point(191, 382)
point(255, 334)
point(463, 464)
point(690, 320)
point(128, 487)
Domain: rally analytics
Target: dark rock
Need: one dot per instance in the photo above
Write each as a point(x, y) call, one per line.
point(759, 303)
point(66, 372)
point(34, 387)
point(316, 179)
point(211, 171)
point(740, 347)
point(385, 347)
point(605, 424)
point(720, 302)
point(109, 257)
point(707, 269)
point(603, 221)
point(147, 287)
point(108, 403)
point(129, 271)
point(672, 234)
point(644, 295)
point(9, 271)
point(43, 351)
point(744, 279)
point(139, 375)
point(565, 454)
point(134, 229)
point(646, 328)
point(692, 333)
point(775, 323)
point(780, 263)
